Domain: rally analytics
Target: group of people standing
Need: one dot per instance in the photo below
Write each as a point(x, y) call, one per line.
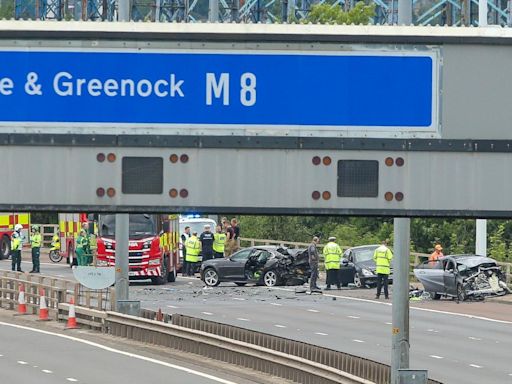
point(333, 260)
point(17, 239)
point(224, 242)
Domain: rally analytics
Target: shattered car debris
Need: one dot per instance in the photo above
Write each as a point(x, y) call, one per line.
point(268, 265)
point(462, 276)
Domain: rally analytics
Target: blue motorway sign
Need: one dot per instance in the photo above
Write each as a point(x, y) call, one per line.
point(282, 89)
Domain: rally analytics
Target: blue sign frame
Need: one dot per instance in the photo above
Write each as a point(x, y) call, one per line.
point(361, 90)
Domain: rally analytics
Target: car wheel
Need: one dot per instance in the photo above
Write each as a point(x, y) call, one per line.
point(358, 282)
point(434, 296)
point(211, 277)
point(270, 279)
point(240, 284)
point(461, 293)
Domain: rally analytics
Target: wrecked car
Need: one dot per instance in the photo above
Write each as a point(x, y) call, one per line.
point(261, 265)
point(462, 277)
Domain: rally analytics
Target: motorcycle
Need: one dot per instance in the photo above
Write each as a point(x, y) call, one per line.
point(55, 254)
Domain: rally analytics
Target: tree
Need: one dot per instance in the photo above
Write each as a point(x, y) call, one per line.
point(7, 10)
point(334, 14)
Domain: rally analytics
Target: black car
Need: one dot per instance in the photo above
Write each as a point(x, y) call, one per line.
point(263, 265)
point(358, 267)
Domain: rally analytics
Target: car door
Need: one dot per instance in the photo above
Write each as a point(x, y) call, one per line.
point(347, 270)
point(234, 269)
point(431, 275)
point(450, 277)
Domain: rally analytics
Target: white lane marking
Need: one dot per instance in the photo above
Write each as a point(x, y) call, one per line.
point(22, 362)
point(321, 334)
point(436, 357)
point(34, 366)
point(239, 298)
point(353, 317)
point(242, 319)
point(510, 374)
point(128, 354)
point(172, 306)
point(207, 313)
point(279, 326)
point(412, 308)
point(1, 355)
point(71, 379)
point(313, 310)
point(474, 338)
point(475, 366)
point(358, 341)
point(432, 330)
point(46, 371)
point(276, 304)
point(388, 323)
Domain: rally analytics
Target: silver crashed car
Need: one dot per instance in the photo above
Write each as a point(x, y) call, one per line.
point(462, 277)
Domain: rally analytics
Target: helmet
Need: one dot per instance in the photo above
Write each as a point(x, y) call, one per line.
point(35, 227)
point(18, 227)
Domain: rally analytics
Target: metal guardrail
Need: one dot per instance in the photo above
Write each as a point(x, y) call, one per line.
point(228, 350)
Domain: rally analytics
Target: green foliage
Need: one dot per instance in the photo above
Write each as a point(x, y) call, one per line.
point(7, 10)
point(334, 14)
point(498, 248)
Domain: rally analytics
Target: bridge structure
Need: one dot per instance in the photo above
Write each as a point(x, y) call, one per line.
point(425, 12)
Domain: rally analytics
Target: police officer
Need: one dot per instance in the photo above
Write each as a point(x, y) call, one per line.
point(219, 241)
point(16, 245)
point(332, 257)
point(382, 257)
point(184, 236)
point(193, 247)
point(35, 244)
point(206, 239)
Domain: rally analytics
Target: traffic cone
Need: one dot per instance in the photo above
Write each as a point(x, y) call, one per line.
point(22, 304)
point(71, 316)
point(43, 308)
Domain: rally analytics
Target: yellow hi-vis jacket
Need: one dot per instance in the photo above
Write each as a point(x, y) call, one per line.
point(15, 241)
point(35, 240)
point(219, 240)
point(193, 247)
point(332, 255)
point(382, 257)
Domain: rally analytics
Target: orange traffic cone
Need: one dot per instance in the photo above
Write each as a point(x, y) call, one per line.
point(71, 316)
point(43, 308)
point(22, 304)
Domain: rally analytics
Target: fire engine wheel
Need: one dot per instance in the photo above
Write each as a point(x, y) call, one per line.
point(270, 279)
point(6, 247)
point(160, 280)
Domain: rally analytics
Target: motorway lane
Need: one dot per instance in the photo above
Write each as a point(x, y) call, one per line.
point(29, 356)
point(455, 348)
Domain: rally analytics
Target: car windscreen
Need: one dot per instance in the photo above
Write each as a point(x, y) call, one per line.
point(364, 254)
point(141, 225)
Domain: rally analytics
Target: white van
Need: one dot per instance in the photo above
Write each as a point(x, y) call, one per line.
point(196, 224)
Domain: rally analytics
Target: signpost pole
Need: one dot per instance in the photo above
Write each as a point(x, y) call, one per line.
point(123, 10)
point(481, 237)
point(122, 244)
point(404, 12)
point(400, 316)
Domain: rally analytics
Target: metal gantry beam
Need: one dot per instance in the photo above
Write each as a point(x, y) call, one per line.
point(436, 12)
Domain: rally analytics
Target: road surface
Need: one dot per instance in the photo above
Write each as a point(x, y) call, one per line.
point(458, 343)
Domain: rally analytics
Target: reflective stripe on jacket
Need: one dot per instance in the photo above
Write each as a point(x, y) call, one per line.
point(193, 247)
point(219, 239)
point(15, 241)
point(35, 240)
point(332, 255)
point(382, 257)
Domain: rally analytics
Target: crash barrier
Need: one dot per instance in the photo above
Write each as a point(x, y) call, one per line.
point(55, 290)
point(418, 257)
point(358, 366)
point(228, 350)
